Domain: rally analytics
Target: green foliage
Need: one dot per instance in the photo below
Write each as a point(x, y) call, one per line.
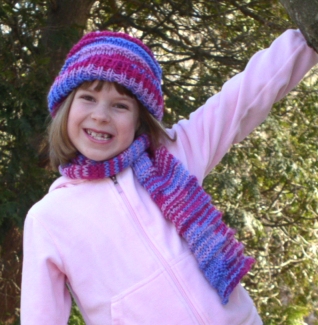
point(76, 317)
point(22, 89)
point(266, 186)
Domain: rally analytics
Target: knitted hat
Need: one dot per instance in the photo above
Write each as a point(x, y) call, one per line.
point(113, 57)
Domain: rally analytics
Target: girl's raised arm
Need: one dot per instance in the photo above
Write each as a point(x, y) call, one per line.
point(243, 103)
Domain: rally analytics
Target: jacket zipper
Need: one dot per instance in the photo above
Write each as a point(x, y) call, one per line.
point(156, 251)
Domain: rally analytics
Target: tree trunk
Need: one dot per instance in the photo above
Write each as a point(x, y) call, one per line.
point(304, 13)
point(65, 24)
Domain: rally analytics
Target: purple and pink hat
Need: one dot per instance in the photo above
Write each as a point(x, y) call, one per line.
point(114, 57)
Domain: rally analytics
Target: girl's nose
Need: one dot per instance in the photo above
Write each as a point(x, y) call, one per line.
point(101, 113)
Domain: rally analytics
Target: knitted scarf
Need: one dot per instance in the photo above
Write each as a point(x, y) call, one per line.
point(182, 201)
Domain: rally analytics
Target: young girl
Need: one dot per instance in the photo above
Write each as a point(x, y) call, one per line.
point(127, 230)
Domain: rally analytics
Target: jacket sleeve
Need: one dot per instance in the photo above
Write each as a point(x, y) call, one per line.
point(44, 296)
point(243, 103)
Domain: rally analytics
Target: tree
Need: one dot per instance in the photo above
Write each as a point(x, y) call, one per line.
point(304, 15)
point(267, 185)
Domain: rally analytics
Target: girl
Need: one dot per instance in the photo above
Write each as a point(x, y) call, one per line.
point(127, 230)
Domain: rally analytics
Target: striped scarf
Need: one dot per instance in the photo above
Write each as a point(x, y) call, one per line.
point(182, 201)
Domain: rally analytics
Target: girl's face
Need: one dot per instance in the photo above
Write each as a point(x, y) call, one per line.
point(102, 124)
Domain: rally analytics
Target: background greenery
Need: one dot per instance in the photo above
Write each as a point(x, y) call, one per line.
point(267, 185)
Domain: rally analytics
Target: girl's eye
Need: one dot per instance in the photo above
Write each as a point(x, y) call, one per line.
point(88, 98)
point(121, 106)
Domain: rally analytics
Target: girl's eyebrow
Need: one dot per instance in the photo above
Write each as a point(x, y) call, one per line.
point(124, 97)
point(87, 89)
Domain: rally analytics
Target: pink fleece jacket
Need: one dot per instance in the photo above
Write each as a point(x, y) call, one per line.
point(107, 242)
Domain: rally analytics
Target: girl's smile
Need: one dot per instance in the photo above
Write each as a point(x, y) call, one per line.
point(99, 136)
point(102, 124)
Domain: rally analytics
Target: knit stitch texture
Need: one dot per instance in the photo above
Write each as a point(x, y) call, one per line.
point(112, 57)
point(182, 201)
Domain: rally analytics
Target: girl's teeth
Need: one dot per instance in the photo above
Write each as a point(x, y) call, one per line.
point(98, 136)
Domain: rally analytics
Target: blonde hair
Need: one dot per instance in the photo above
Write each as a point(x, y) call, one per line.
point(60, 148)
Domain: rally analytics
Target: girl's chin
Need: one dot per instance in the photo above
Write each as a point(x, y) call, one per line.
point(99, 156)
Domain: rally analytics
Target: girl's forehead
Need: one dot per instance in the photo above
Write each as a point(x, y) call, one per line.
point(96, 85)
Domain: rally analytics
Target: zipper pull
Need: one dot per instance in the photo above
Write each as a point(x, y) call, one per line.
point(118, 187)
point(114, 179)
